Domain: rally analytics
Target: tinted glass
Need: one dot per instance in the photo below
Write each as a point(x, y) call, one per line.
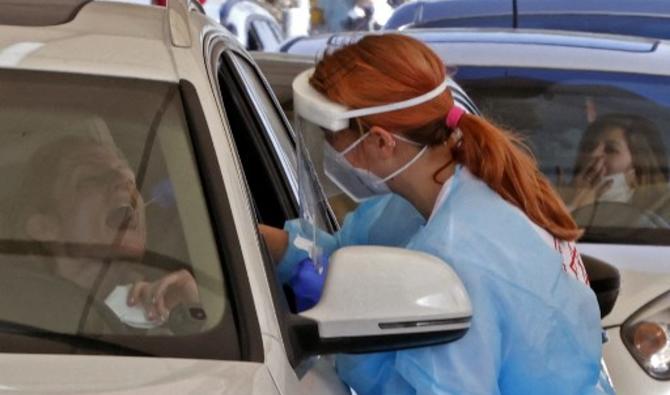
point(503, 21)
point(104, 228)
point(266, 36)
point(601, 139)
point(645, 26)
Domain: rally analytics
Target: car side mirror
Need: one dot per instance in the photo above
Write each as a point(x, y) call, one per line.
point(605, 282)
point(383, 298)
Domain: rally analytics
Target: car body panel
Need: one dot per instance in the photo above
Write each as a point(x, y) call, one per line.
point(498, 13)
point(46, 374)
point(619, 360)
point(138, 50)
point(239, 16)
point(645, 275)
point(647, 18)
point(525, 48)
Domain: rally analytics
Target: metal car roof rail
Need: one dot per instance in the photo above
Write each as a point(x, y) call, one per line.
point(178, 21)
point(197, 6)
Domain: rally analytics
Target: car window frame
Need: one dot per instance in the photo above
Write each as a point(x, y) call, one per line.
point(219, 214)
point(289, 324)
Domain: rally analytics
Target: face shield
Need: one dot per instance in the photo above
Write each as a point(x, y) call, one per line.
point(321, 125)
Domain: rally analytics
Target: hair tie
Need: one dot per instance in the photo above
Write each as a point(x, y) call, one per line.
point(454, 117)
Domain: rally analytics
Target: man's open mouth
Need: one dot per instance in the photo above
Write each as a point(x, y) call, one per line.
point(122, 218)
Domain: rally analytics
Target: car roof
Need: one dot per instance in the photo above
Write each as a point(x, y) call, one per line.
point(523, 48)
point(419, 12)
point(103, 38)
point(424, 12)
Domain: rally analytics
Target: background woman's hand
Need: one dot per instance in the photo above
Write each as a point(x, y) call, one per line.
point(159, 297)
point(588, 184)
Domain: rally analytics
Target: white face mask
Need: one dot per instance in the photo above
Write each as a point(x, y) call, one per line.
point(358, 183)
point(619, 191)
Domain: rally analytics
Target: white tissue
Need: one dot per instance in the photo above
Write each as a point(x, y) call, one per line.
point(132, 316)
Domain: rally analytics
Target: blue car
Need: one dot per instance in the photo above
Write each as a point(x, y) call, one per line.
point(647, 18)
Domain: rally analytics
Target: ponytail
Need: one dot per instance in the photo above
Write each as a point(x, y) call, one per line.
point(503, 162)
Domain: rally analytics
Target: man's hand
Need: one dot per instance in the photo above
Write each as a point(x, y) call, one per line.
point(161, 296)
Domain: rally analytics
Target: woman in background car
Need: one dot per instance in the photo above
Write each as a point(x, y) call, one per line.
point(486, 210)
point(621, 159)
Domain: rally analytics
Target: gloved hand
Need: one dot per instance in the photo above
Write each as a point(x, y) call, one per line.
point(307, 282)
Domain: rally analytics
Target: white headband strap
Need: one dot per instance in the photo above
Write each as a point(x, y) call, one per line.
point(397, 105)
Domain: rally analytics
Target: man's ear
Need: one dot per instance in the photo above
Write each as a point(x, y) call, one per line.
point(383, 141)
point(42, 227)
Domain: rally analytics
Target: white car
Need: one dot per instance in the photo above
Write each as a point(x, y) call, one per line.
point(141, 145)
point(254, 26)
point(549, 86)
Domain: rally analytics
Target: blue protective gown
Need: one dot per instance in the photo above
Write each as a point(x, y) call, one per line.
point(535, 330)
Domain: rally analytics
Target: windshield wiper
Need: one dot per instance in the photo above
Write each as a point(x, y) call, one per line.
point(78, 341)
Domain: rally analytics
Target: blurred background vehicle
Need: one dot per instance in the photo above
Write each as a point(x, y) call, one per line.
point(648, 18)
point(552, 87)
point(253, 25)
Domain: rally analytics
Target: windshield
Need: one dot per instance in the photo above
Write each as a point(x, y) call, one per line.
point(104, 229)
point(601, 139)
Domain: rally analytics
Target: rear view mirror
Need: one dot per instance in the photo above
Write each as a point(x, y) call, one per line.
point(382, 298)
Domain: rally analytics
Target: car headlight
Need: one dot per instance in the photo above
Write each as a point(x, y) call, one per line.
point(646, 334)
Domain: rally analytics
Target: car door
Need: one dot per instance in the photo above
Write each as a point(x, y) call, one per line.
point(266, 148)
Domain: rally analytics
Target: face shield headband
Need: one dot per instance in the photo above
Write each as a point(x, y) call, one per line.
point(311, 105)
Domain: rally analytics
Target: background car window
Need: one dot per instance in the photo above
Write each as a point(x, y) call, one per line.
point(265, 35)
point(502, 21)
point(101, 192)
point(601, 138)
point(646, 26)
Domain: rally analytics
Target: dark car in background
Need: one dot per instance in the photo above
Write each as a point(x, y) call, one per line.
point(647, 18)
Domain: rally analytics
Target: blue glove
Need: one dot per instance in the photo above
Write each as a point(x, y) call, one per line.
point(307, 283)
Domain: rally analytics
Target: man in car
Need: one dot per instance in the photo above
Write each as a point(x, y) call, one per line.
point(79, 201)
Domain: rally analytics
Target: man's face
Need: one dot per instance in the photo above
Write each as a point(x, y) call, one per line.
point(98, 202)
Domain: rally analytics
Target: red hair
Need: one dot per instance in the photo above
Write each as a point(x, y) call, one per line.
point(381, 69)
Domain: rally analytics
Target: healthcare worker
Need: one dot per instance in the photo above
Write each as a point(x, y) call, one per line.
point(376, 117)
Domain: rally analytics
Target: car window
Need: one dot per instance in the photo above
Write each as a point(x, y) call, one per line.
point(601, 138)
point(101, 191)
point(502, 21)
point(272, 166)
point(248, 104)
point(646, 26)
point(266, 36)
